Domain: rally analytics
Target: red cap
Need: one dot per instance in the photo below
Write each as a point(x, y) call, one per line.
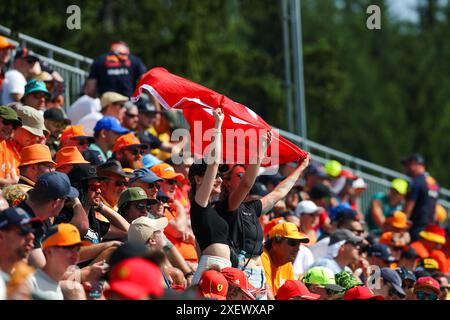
point(348, 174)
point(361, 293)
point(238, 278)
point(428, 282)
point(295, 288)
point(136, 278)
point(213, 284)
point(433, 233)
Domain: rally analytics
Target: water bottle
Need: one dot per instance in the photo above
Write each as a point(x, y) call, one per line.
point(241, 260)
point(96, 290)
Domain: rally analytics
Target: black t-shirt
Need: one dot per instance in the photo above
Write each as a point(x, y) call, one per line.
point(116, 74)
point(246, 232)
point(208, 226)
point(38, 233)
point(424, 191)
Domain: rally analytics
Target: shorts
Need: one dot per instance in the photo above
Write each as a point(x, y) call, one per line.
point(206, 262)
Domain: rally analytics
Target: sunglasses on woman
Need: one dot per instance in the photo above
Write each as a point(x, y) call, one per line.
point(425, 296)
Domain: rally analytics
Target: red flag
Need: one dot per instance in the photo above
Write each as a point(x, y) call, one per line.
point(241, 129)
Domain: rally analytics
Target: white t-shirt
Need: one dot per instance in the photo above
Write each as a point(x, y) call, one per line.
point(90, 121)
point(303, 261)
point(82, 107)
point(14, 83)
point(44, 286)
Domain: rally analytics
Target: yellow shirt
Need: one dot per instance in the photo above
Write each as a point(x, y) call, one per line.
point(164, 137)
point(276, 276)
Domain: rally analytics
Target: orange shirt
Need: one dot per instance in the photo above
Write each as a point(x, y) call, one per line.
point(276, 276)
point(437, 255)
point(187, 250)
point(9, 158)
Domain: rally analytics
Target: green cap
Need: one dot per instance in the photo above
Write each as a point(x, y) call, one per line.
point(134, 194)
point(333, 168)
point(9, 113)
point(36, 86)
point(322, 276)
point(400, 185)
point(346, 280)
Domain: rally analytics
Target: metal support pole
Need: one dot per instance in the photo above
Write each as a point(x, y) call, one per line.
point(298, 70)
point(287, 65)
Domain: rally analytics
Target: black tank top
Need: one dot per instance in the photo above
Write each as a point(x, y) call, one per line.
point(208, 226)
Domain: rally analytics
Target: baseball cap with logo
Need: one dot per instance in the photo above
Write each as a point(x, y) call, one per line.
point(322, 276)
point(62, 235)
point(35, 153)
point(112, 97)
point(128, 140)
point(112, 167)
point(295, 289)
point(110, 123)
point(54, 185)
point(136, 278)
point(213, 284)
point(238, 277)
point(36, 86)
point(167, 172)
point(382, 251)
point(429, 283)
point(142, 228)
point(84, 172)
point(134, 194)
point(16, 216)
point(8, 113)
point(288, 230)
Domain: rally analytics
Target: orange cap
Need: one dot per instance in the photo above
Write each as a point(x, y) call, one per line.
point(74, 132)
point(166, 171)
point(62, 235)
point(127, 140)
point(399, 220)
point(288, 230)
point(35, 153)
point(69, 155)
point(5, 44)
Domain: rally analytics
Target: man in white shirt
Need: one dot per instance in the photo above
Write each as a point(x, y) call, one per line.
point(81, 107)
point(61, 246)
point(26, 65)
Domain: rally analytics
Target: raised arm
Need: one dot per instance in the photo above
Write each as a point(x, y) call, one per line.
point(283, 188)
point(238, 195)
point(204, 190)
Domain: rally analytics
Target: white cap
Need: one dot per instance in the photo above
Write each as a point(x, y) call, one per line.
point(359, 184)
point(142, 228)
point(307, 207)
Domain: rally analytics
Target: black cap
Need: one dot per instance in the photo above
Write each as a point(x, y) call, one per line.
point(199, 169)
point(319, 191)
point(26, 54)
point(315, 169)
point(126, 251)
point(113, 167)
point(406, 274)
point(344, 234)
point(161, 196)
point(258, 189)
point(93, 156)
point(145, 104)
point(84, 172)
point(56, 114)
point(410, 253)
point(418, 158)
point(382, 251)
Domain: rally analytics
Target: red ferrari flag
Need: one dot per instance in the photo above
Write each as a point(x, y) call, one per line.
point(241, 130)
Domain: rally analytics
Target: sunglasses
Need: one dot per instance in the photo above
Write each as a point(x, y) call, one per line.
point(120, 183)
point(135, 151)
point(38, 95)
point(94, 186)
point(425, 296)
point(154, 185)
point(83, 142)
point(141, 206)
point(293, 242)
point(357, 232)
point(130, 115)
point(171, 182)
point(10, 123)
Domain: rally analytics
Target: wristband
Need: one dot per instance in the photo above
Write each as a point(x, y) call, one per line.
point(189, 274)
point(99, 207)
